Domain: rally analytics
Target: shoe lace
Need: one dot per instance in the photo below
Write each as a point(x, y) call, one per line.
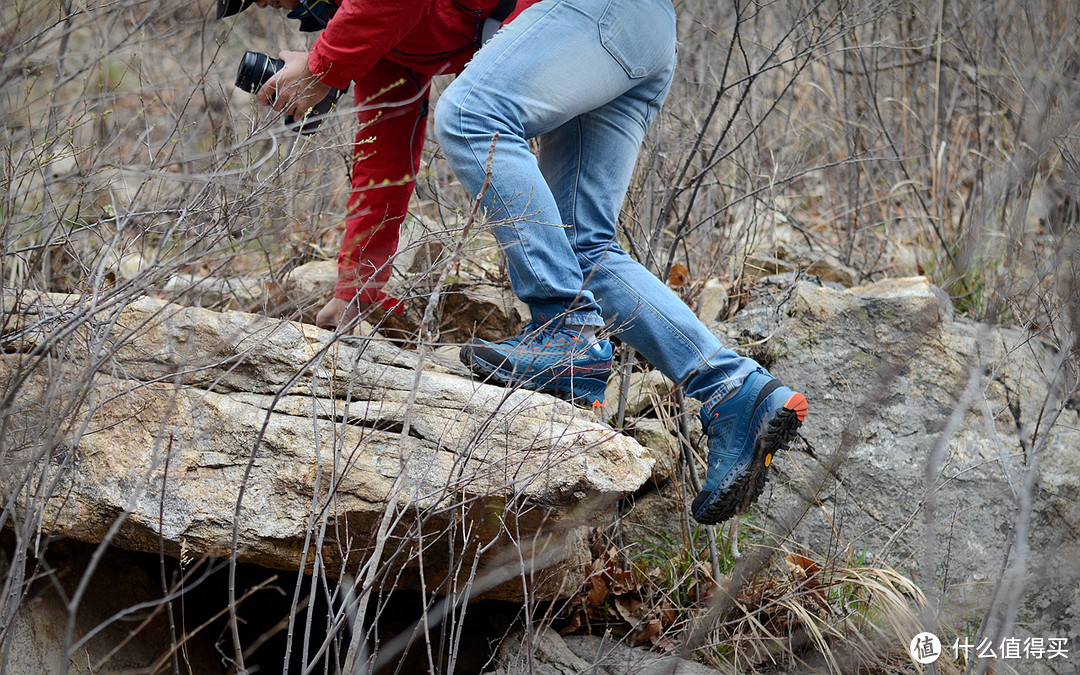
point(534, 335)
point(528, 335)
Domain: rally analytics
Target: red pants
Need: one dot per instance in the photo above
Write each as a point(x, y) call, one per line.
point(393, 105)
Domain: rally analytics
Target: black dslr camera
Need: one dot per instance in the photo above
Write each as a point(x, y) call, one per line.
point(256, 68)
point(313, 15)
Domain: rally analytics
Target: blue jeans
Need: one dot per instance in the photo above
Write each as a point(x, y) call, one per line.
point(586, 78)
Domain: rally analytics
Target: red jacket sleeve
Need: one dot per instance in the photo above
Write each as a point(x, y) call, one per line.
point(360, 33)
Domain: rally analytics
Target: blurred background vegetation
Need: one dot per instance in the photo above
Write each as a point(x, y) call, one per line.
point(933, 137)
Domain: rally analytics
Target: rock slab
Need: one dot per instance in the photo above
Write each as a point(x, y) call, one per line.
point(230, 432)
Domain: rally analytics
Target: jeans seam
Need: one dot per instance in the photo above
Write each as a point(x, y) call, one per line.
point(654, 107)
point(463, 109)
point(502, 200)
point(576, 185)
point(728, 383)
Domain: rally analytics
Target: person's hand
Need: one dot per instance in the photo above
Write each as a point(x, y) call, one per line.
point(293, 89)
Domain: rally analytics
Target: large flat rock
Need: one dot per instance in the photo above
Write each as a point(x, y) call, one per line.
point(154, 425)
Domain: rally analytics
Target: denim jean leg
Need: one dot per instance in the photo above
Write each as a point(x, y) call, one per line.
point(648, 316)
point(584, 77)
point(641, 309)
point(528, 80)
point(589, 162)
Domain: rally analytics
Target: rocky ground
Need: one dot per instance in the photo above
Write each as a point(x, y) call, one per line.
point(946, 448)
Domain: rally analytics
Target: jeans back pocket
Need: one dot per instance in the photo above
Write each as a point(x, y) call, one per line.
point(639, 34)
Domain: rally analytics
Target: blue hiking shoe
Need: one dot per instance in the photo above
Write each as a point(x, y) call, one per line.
point(555, 361)
point(744, 433)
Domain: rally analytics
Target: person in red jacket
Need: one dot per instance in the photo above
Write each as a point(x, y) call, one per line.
point(389, 52)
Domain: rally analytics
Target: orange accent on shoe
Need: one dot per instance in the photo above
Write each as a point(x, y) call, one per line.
point(768, 459)
point(598, 404)
point(798, 403)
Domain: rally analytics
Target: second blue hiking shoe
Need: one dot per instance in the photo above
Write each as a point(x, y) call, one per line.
point(744, 432)
point(555, 361)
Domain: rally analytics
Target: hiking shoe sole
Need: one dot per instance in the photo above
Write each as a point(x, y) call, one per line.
point(716, 506)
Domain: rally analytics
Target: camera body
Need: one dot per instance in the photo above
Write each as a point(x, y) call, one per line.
point(256, 68)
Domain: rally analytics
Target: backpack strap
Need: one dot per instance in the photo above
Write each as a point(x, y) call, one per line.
point(495, 20)
point(313, 14)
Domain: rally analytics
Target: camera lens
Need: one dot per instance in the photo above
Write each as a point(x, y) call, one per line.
point(229, 7)
point(255, 69)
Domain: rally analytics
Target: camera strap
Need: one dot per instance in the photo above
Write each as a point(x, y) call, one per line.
point(313, 14)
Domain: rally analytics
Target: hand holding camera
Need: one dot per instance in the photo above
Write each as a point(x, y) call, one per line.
point(293, 89)
point(288, 86)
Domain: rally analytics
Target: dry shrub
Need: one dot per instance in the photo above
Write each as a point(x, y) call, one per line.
point(903, 137)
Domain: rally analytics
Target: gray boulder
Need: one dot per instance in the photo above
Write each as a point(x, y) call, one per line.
point(947, 448)
point(545, 652)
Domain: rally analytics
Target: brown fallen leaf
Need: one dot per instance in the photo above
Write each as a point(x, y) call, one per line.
point(802, 568)
point(650, 633)
point(808, 573)
point(629, 609)
point(598, 590)
point(574, 624)
point(668, 615)
point(624, 581)
point(678, 276)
